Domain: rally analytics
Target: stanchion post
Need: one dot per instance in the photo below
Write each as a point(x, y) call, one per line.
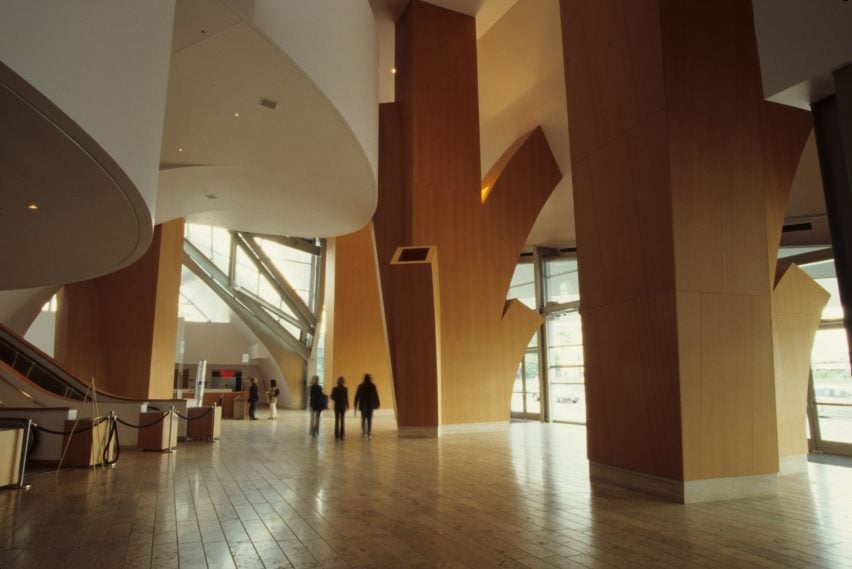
point(113, 425)
point(23, 469)
point(171, 420)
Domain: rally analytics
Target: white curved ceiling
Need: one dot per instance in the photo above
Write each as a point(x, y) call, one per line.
point(67, 210)
point(230, 161)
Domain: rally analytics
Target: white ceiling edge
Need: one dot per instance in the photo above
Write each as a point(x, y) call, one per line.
point(274, 202)
point(344, 69)
point(105, 64)
point(265, 171)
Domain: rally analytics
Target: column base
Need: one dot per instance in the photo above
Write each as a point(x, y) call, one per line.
point(794, 464)
point(686, 491)
point(454, 429)
point(467, 428)
point(417, 432)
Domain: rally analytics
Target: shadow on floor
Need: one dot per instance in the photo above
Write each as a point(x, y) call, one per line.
point(833, 459)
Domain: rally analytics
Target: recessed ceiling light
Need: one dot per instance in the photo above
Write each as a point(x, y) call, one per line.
point(32, 206)
point(236, 115)
point(393, 70)
point(180, 149)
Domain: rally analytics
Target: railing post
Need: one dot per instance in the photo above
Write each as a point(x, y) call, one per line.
point(171, 420)
point(24, 447)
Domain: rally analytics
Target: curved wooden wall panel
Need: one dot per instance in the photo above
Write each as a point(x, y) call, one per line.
point(355, 330)
point(122, 328)
point(430, 194)
point(797, 304)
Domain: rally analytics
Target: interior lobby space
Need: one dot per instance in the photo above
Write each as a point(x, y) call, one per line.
point(593, 257)
point(268, 495)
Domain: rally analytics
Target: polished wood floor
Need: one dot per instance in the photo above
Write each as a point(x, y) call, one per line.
point(268, 495)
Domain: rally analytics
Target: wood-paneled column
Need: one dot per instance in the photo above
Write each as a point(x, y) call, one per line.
point(431, 195)
point(355, 339)
point(672, 158)
point(121, 328)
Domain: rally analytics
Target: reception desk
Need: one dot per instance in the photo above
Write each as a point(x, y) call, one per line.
point(223, 398)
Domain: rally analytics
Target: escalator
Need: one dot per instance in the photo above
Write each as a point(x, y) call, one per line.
point(32, 381)
point(26, 360)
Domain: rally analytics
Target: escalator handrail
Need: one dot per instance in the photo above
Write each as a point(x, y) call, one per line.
point(52, 366)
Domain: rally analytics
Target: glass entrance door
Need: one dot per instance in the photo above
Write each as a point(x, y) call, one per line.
point(526, 394)
point(565, 367)
point(830, 400)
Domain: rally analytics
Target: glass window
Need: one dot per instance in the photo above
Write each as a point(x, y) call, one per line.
point(832, 385)
point(560, 281)
point(294, 265)
point(833, 310)
point(522, 286)
point(246, 274)
point(565, 367)
point(213, 242)
point(198, 303)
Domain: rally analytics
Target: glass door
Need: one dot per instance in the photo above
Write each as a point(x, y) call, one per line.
point(830, 400)
point(565, 367)
point(526, 394)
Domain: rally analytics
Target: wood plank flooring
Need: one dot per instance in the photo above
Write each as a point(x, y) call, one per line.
point(269, 496)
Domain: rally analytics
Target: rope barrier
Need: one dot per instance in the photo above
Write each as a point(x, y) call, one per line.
point(123, 422)
point(112, 434)
point(151, 424)
point(209, 410)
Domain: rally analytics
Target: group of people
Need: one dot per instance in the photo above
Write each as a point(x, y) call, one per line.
point(366, 401)
point(271, 394)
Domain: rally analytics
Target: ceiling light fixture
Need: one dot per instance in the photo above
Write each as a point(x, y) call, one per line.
point(180, 149)
point(32, 206)
point(237, 115)
point(393, 70)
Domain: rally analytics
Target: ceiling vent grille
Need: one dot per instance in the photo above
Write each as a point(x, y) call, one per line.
point(796, 227)
point(268, 103)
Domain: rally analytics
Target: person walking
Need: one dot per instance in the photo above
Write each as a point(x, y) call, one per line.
point(317, 402)
point(340, 396)
point(366, 400)
point(253, 399)
point(272, 395)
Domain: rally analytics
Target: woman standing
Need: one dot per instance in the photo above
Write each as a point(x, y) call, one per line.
point(340, 396)
point(367, 400)
point(317, 403)
point(272, 395)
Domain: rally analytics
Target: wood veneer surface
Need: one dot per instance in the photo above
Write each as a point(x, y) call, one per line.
point(432, 182)
point(356, 330)
point(673, 150)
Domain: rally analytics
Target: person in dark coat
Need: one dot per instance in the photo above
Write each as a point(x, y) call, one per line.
point(367, 400)
point(317, 403)
point(340, 396)
point(252, 398)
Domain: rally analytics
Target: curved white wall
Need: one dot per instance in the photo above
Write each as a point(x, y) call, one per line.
point(105, 64)
point(335, 44)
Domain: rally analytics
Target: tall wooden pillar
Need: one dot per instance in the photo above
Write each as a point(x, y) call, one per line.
point(355, 339)
point(121, 328)
point(446, 308)
point(672, 158)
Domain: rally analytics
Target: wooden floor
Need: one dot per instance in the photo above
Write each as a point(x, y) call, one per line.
point(268, 495)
